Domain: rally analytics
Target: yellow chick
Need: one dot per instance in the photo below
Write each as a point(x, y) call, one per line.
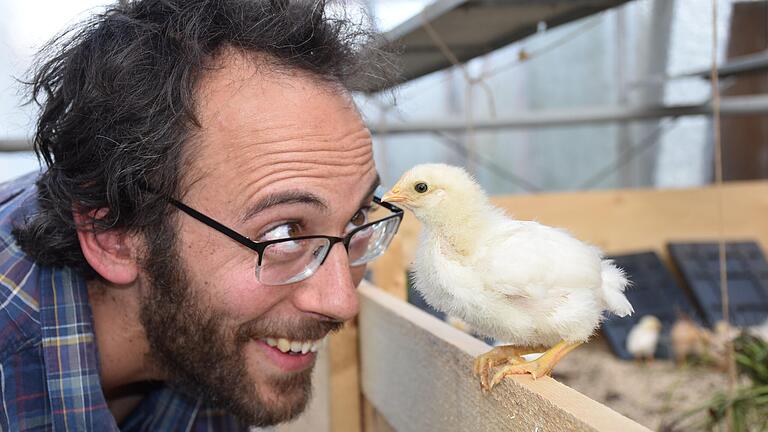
point(688, 338)
point(723, 335)
point(643, 338)
point(518, 281)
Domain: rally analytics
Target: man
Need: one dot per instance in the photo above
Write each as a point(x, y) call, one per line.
point(156, 276)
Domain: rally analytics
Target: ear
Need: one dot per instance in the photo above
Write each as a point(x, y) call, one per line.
point(111, 253)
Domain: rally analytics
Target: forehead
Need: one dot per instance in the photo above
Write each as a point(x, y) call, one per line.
point(265, 130)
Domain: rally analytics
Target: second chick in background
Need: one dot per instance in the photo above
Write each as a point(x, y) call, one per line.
point(643, 338)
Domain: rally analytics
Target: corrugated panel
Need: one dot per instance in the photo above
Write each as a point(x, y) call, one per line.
point(653, 292)
point(747, 272)
point(471, 28)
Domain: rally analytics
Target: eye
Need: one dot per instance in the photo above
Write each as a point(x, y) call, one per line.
point(359, 219)
point(421, 187)
point(285, 230)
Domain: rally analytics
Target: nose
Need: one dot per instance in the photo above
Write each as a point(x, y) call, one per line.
point(331, 292)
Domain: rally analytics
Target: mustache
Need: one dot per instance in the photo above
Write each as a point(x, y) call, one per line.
point(295, 329)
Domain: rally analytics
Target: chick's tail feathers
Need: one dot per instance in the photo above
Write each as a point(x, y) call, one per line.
point(614, 283)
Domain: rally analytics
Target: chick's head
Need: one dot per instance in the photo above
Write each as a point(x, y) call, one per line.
point(650, 322)
point(435, 191)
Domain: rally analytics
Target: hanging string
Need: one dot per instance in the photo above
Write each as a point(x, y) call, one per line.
point(631, 153)
point(729, 351)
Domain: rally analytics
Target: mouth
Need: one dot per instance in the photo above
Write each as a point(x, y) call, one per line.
point(290, 355)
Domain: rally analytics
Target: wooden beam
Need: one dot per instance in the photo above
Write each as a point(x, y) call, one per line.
point(335, 404)
point(417, 373)
point(345, 410)
point(623, 221)
point(373, 421)
point(745, 139)
point(316, 416)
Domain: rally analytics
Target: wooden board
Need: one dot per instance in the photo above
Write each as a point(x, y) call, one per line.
point(635, 220)
point(344, 392)
point(373, 421)
point(335, 404)
point(316, 416)
point(417, 373)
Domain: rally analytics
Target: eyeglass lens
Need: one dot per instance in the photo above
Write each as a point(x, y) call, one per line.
point(293, 261)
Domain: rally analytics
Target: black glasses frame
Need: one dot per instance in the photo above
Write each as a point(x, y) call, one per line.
point(259, 247)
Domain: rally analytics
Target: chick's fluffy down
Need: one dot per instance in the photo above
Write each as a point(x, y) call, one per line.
point(516, 281)
point(537, 286)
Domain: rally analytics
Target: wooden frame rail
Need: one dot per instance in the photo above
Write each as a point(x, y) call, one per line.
point(416, 371)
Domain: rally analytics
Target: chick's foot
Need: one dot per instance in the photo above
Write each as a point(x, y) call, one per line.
point(506, 354)
point(537, 368)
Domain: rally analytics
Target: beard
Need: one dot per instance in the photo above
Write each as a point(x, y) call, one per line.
point(201, 353)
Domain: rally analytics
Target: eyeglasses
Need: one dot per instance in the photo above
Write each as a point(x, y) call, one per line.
point(289, 260)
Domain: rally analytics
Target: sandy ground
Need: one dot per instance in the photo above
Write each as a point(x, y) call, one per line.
point(653, 395)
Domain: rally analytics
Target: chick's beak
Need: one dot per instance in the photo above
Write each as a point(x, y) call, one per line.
point(393, 196)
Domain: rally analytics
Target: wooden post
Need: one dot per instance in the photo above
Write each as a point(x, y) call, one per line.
point(745, 138)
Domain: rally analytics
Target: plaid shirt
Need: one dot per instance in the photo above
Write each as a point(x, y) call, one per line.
point(49, 369)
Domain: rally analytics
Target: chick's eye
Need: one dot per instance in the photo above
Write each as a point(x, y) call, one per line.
point(421, 187)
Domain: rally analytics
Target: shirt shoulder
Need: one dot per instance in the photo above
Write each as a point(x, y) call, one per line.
point(165, 408)
point(19, 290)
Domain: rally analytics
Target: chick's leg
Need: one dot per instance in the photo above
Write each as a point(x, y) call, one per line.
point(500, 355)
point(539, 367)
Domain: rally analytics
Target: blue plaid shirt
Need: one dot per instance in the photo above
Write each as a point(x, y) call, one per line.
point(49, 369)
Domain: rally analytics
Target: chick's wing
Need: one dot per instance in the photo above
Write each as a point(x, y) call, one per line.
point(531, 260)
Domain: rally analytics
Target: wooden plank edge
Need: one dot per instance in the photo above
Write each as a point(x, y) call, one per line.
point(590, 412)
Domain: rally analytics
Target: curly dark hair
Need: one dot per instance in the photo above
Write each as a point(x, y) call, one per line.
point(117, 100)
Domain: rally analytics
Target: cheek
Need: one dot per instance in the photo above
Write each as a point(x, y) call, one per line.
point(227, 280)
point(242, 296)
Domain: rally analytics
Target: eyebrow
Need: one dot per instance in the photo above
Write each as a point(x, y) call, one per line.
point(299, 197)
point(284, 198)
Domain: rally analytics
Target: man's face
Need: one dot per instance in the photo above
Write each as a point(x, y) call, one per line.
point(298, 151)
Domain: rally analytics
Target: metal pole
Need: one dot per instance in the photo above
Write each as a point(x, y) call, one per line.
point(734, 105)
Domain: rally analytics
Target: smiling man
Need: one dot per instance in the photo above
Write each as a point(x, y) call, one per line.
point(206, 214)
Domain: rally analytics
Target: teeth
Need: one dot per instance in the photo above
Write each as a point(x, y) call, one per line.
point(283, 345)
point(303, 347)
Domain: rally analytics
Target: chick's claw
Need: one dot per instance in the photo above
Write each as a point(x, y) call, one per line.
point(535, 368)
point(500, 355)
